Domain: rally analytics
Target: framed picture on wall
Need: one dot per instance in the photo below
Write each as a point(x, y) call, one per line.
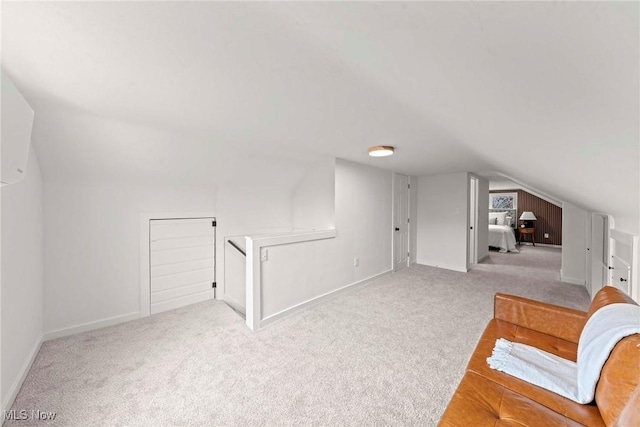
point(503, 200)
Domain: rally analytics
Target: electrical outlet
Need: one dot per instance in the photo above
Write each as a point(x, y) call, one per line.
point(356, 261)
point(546, 235)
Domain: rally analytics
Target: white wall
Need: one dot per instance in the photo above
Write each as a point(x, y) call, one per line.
point(296, 273)
point(93, 240)
point(22, 277)
point(17, 121)
point(483, 218)
point(413, 216)
point(442, 220)
point(242, 210)
point(314, 197)
point(248, 208)
point(92, 246)
point(363, 220)
point(574, 244)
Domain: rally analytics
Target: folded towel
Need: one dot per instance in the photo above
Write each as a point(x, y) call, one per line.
point(575, 381)
point(535, 366)
point(602, 332)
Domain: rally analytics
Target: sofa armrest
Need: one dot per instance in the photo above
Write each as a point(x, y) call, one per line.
point(554, 320)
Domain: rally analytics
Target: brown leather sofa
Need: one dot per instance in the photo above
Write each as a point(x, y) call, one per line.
point(486, 397)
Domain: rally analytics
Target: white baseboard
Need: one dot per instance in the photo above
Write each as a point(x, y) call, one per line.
point(545, 245)
point(90, 326)
point(17, 384)
point(445, 267)
point(319, 299)
point(231, 302)
point(571, 280)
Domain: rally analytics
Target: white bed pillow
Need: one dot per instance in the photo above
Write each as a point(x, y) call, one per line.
point(500, 217)
point(493, 221)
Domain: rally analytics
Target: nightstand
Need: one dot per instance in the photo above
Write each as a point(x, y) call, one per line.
point(525, 230)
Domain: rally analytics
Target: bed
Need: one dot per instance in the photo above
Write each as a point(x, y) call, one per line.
point(502, 237)
point(501, 234)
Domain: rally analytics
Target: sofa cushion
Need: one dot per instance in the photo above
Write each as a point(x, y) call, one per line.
point(619, 379)
point(584, 414)
point(480, 402)
point(562, 322)
point(630, 414)
point(605, 296)
point(619, 382)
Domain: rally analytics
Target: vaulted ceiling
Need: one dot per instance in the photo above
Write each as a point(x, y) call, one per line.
point(544, 92)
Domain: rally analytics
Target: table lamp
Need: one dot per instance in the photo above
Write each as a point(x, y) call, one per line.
point(528, 217)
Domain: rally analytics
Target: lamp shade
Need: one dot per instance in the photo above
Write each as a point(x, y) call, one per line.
point(527, 216)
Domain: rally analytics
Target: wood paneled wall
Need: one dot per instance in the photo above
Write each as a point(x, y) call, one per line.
point(549, 216)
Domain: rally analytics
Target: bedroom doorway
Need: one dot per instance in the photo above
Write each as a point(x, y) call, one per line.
point(473, 222)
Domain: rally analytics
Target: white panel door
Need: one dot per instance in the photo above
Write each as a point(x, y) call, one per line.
point(401, 222)
point(621, 275)
point(473, 229)
point(182, 261)
point(599, 253)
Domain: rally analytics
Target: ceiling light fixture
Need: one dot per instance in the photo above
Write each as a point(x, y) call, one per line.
point(381, 151)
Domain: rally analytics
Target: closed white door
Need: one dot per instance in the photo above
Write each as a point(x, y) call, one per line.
point(401, 222)
point(473, 229)
point(621, 274)
point(182, 261)
point(599, 253)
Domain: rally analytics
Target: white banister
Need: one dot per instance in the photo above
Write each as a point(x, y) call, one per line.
point(256, 246)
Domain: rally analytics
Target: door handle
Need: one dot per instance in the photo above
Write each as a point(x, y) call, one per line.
point(610, 268)
point(623, 280)
point(397, 229)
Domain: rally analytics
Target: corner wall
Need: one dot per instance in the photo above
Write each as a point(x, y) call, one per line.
point(413, 215)
point(314, 197)
point(574, 222)
point(22, 278)
point(443, 220)
point(295, 274)
point(92, 247)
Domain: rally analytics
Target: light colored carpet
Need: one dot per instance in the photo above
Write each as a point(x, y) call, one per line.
point(388, 353)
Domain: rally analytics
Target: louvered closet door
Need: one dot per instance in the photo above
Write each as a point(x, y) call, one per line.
point(182, 262)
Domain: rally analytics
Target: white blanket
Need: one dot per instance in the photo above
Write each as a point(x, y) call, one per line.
point(501, 236)
point(573, 380)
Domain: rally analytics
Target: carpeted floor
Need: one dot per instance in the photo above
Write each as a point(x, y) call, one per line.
point(388, 353)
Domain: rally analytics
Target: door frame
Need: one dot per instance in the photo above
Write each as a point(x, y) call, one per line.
point(145, 251)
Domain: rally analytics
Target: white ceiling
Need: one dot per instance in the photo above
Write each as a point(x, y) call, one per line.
point(545, 92)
